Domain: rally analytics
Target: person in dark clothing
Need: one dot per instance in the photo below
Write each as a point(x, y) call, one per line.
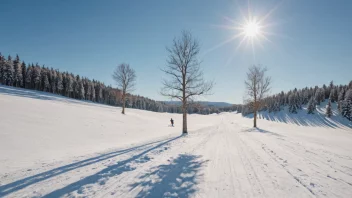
point(172, 122)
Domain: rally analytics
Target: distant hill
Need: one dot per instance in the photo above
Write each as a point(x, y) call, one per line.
point(204, 103)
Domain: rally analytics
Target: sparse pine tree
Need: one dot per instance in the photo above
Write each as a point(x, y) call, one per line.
point(328, 111)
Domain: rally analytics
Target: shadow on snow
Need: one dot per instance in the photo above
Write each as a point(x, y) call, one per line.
point(258, 130)
point(111, 171)
point(177, 179)
point(22, 183)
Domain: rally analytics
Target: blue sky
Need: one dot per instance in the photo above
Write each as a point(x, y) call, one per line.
point(310, 41)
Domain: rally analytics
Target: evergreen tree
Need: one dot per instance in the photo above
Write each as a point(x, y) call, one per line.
point(81, 90)
point(305, 97)
point(333, 95)
point(340, 99)
point(100, 94)
point(8, 72)
point(46, 83)
point(17, 74)
point(76, 87)
point(311, 106)
point(319, 95)
point(2, 68)
point(53, 82)
point(277, 107)
point(292, 103)
point(347, 105)
point(328, 111)
point(24, 70)
point(93, 92)
point(326, 92)
point(88, 91)
point(36, 77)
point(69, 85)
point(59, 83)
point(29, 78)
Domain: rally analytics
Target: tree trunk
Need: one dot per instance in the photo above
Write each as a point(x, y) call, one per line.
point(255, 118)
point(184, 105)
point(123, 103)
point(184, 125)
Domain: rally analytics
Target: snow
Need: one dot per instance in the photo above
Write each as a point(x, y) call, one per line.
point(52, 146)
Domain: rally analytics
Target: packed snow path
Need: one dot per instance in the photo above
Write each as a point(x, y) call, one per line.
point(58, 147)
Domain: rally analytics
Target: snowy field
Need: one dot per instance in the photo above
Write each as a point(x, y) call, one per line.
point(51, 146)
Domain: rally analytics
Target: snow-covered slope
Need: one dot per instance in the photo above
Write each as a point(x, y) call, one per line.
point(38, 126)
point(52, 146)
point(303, 119)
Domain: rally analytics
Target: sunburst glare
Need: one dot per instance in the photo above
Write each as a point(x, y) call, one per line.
point(248, 30)
point(251, 29)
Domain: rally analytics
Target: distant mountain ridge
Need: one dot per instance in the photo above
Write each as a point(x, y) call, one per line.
point(204, 103)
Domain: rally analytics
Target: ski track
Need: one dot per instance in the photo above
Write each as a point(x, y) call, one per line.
point(224, 160)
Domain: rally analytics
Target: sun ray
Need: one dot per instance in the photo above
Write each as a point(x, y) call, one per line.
point(240, 43)
point(271, 12)
point(253, 50)
point(251, 31)
point(221, 44)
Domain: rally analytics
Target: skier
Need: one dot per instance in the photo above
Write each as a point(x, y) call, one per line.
point(172, 122)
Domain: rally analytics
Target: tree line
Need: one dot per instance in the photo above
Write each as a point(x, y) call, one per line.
point(16, 73)
point(311, 97)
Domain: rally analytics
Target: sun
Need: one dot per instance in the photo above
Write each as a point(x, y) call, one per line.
point(251, 29)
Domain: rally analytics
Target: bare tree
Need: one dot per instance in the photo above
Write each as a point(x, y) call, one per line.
point(257, 86)
point(186, 78)
point(125, 78)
